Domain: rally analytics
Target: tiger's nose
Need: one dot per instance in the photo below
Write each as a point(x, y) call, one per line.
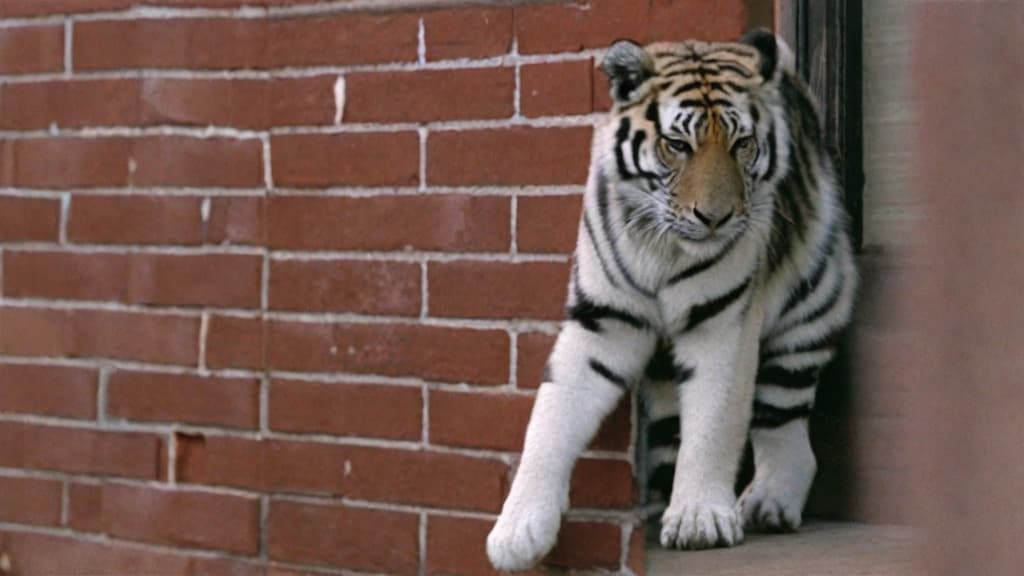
point(712, 219)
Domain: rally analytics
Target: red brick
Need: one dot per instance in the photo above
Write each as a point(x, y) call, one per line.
point(31, 49)
point(583, 545)
point(186, 161)
point(430, 352)
point(246, 42)
point(64, 162)
point(158, 279)
point(345, 409)
point(548, 224)
point(174, 517)
point(77, 103)
point(29, 219)
point(498, 422)
point(359, 159)
point(458, 546)
point(33, 553)
point(602, 484)
point(571, 27)
point(356, 472)
point(602, 92)
point(674, 20)
point(159, 338)
point(234, 342)
point(450, 222)
point(557, 88)
point(360, 286)
point(135, 220)
point(637, 548)
point(49, 390)
point(472, 420)
point(574, 26)
point(146, 161)
point(429, 95)
point(526, 156)
point(80, 451)
point(467, 33)
point(236, 220)
point(245, 103)
point(189, 399)
point(30, 501)
point(69, 104)
point(498, 289)
point(42, 7)
point(534, 348)
point(344, 536)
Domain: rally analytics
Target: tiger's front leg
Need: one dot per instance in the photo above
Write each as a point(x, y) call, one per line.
point(590, 369)
point(715, 406)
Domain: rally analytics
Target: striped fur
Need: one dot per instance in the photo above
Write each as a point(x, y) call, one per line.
point(713, 266)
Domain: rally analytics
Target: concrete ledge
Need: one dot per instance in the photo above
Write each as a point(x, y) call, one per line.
point(819, 549)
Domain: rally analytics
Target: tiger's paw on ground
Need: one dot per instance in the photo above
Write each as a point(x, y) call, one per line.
point(771, 506)
point(699, 525)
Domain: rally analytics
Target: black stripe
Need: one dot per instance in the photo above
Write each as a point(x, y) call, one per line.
point(621, 135)
point(810, 283)
point(823, 343)
point(707, 310)
point(663, 432)
point(723, 66)
point(792, 379)
point(651, 114)
point(687, 87)
point(588, 313)
point(766, 416)
point(638, 141)
point(691, 103)
point(597, 249)
point(826, 306)
point(662, 366)
point(772, 151)
point(700, 266)
point(607, 374)
point(602, 212)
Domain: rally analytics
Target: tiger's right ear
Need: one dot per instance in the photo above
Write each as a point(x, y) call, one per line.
point(628, 66)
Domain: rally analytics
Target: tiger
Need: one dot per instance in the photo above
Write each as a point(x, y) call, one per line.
point(713, 243)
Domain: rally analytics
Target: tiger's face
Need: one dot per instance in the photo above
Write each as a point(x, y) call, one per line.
point(693, 135)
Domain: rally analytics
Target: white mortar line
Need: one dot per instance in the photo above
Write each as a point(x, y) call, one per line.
point(421, 43)
point(172, 457)
point(65, 217)
point(65, 502)
point(423, 135)
point(299, 71)
point(101, 394)
point(68, 46)
point(204, 330)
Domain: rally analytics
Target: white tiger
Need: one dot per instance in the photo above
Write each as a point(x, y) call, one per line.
point(712, 236)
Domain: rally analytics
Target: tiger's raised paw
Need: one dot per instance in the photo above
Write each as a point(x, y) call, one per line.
point(695, 526)
point(523, 535)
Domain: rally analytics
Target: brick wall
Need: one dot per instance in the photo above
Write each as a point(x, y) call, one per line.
point(277, 282)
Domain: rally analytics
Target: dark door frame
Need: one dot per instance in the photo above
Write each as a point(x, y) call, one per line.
point(826, 38)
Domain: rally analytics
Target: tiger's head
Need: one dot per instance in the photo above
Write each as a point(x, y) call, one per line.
point(695, 138)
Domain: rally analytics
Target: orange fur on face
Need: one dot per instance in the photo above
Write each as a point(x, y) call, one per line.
point(711, 181)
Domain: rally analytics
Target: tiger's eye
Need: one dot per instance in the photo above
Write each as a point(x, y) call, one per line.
point(678, 146)
point(743, 145)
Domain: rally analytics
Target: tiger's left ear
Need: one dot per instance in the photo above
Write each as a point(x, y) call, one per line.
point(776, 57)
point(628, 66)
